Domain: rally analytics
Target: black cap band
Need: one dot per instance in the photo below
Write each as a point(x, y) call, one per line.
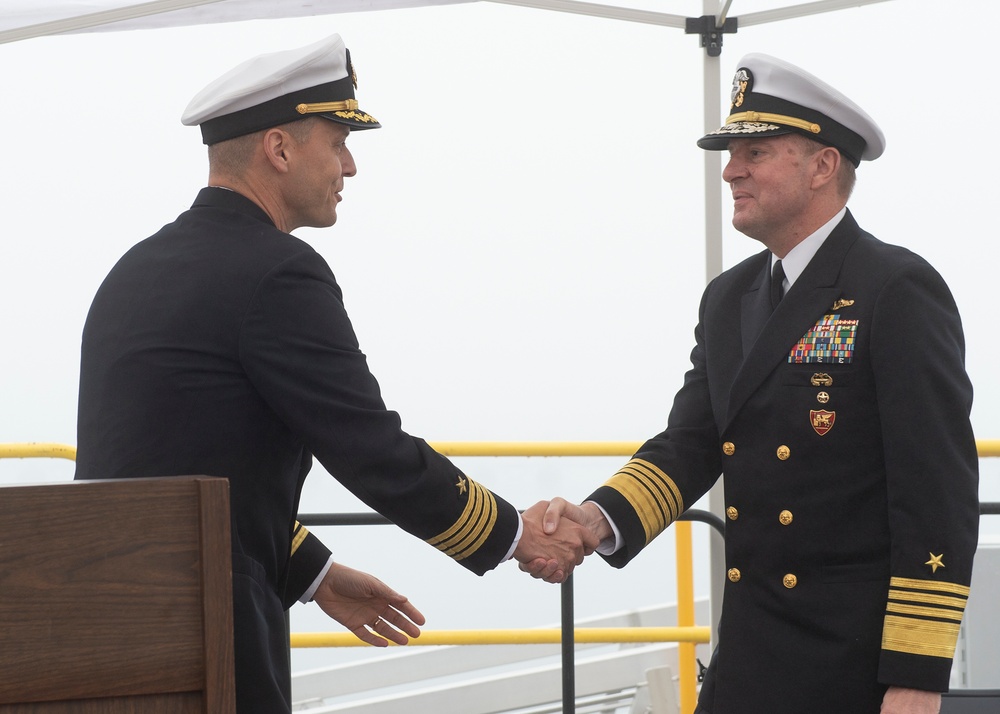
point(282, 110)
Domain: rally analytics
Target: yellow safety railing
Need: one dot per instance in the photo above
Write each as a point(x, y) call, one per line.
point(686, 634)
point(30, 451)
point(985, 447)
point(517, 637)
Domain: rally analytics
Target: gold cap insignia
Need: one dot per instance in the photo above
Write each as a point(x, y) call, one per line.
point(741, 83)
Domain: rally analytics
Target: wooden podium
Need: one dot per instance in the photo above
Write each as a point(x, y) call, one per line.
point(116, 597)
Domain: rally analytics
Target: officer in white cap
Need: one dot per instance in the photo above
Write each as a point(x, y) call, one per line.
point(221, 346)
point(828, 384)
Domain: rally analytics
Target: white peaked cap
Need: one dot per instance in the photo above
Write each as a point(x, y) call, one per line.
point(277, 88)
point(772, 97)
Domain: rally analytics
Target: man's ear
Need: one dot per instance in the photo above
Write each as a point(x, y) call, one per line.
point(827, 161)
point(276, 144)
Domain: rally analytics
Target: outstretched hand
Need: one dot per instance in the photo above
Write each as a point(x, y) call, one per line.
point(367, 607)
point(558, 514)
point(551, 553)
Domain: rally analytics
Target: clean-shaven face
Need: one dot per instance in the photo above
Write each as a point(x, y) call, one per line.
point(770, 181)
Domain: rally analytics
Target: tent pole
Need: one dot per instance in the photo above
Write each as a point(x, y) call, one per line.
point(713, 266)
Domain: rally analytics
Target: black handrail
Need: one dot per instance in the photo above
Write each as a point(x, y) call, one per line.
point(568, 644)
point(377, 519)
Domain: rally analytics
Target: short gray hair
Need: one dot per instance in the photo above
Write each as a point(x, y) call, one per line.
point(234, 156)
point(847, 176)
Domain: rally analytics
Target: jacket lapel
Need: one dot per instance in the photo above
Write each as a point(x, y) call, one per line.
point(811, 297)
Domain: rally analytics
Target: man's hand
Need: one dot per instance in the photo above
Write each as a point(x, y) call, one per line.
point(551, 553)
point(367, 607)
point(558, 512)
point(898, 700)
point(587, 515)
point(550, 550)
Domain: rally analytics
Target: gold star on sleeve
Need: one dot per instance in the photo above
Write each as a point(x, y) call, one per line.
point(935, 562)
point(473, 526)
point(460, 485)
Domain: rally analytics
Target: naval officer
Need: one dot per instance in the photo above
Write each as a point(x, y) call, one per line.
point(828, 385)
point(221, 346)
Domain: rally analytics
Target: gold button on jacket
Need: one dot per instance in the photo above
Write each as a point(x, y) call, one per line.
point(734, 575)
point(785, 517)
point(732, 513)
point(729, 448)
point(790, 581)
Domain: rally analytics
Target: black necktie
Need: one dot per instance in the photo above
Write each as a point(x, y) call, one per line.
point(777, 284)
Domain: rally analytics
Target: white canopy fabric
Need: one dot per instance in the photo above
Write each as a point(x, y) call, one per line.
point(23, 19)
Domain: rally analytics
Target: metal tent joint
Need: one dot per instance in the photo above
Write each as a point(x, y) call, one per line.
point(711, 33)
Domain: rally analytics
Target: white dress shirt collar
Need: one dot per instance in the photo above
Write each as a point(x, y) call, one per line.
point(799, 256)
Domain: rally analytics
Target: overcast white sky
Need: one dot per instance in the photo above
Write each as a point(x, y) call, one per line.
point(521, 251)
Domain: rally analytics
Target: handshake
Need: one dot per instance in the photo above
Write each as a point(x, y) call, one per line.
point(555, 539)
point(557, 535)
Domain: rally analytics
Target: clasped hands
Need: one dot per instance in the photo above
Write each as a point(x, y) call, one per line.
point(557, 535)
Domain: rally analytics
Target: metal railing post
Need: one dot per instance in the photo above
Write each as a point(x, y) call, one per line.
point(687, 678)
point(568, 647)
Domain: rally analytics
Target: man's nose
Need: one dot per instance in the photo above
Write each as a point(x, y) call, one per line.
point(347, 163)
point(733, 170)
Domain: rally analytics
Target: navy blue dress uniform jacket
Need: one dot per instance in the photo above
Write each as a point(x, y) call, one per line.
point(221, 346)
point(841, 423)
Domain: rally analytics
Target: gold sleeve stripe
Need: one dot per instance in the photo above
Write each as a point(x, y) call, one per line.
point(472, 528)
point(650, 485)
point(484, 525)
point(914, 584)
point(660, 484)
point(298, 535)
point(654, 495)
point(451, 540)
point(924, 611)
point(928, 598)
point(919, 637)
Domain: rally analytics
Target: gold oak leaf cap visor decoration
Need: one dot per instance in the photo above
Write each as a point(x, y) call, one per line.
point(277, 88)
point(771, 97)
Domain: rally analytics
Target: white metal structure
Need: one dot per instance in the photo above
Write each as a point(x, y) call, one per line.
point(503, 678)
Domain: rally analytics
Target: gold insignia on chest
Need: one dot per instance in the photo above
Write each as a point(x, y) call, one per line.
point(821, 379)
point(842, 303)
point(460, 485)
point(935, 562)
point(822, 420)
